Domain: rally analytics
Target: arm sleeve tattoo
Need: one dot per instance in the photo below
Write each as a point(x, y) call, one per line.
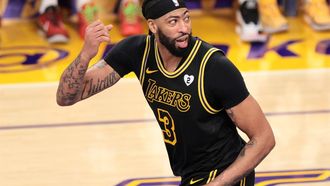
point(71, 81)
point(75, 87)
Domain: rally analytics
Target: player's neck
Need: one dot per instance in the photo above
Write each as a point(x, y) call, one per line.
point(170, 61)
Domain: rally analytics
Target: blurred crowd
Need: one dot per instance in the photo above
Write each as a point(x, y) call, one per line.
point(256, 19)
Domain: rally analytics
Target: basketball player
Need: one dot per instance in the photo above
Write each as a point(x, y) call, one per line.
point(198, 96)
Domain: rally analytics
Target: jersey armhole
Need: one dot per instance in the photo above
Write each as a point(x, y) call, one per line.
point(201, 92)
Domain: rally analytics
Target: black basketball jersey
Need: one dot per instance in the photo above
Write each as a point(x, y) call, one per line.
point(198, 134)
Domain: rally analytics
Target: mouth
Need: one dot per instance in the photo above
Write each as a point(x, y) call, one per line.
point(182, 41)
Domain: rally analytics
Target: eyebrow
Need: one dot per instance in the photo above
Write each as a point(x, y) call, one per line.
point(185, 13)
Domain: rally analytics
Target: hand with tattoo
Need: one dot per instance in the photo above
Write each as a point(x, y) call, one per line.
point(73, 79)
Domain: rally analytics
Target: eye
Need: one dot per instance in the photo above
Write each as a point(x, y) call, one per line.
point(187, 19)
point(172, 22)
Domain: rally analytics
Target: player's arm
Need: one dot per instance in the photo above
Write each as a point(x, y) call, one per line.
point(77, 81)
point(231, 92)
point(248, 117)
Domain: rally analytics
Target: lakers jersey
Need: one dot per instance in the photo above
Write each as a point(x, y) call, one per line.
point(198, 134)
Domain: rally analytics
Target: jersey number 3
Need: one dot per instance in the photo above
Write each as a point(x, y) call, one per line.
point(167, 125)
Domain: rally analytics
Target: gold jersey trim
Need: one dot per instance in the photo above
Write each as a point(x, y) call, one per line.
point(243, 182)
point(144, 60)
point(201, 92)
point(183, 67)
point(212, 175)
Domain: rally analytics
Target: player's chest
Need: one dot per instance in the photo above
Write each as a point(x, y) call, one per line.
point(177, 90)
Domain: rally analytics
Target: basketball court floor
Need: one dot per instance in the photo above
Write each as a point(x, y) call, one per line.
point(113, 138)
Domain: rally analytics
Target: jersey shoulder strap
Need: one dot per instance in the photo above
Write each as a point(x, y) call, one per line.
point(201, 92)
point(144, 59)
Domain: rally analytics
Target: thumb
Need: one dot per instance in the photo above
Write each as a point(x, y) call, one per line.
point(109, 27)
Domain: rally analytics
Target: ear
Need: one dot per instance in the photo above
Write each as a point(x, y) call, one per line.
point(152, 26)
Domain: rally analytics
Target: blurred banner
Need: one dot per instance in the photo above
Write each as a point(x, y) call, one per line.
point(30, 8)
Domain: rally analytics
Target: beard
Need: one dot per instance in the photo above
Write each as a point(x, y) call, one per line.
point(169, 44)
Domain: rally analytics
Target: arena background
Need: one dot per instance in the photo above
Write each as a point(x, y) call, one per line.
point(113, 139)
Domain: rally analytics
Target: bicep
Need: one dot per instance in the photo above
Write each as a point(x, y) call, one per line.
point(98, 77)
point(249, 118)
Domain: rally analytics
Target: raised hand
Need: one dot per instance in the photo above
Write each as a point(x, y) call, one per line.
point(96, 33)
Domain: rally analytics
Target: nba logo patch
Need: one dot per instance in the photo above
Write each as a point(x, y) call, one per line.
point(176, 3)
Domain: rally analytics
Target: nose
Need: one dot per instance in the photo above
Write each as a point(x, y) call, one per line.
point(184, 27)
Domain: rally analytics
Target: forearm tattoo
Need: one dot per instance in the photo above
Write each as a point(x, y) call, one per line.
point(94, 86)
point(250, 144)
point(71, 81)
point(236, 179)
